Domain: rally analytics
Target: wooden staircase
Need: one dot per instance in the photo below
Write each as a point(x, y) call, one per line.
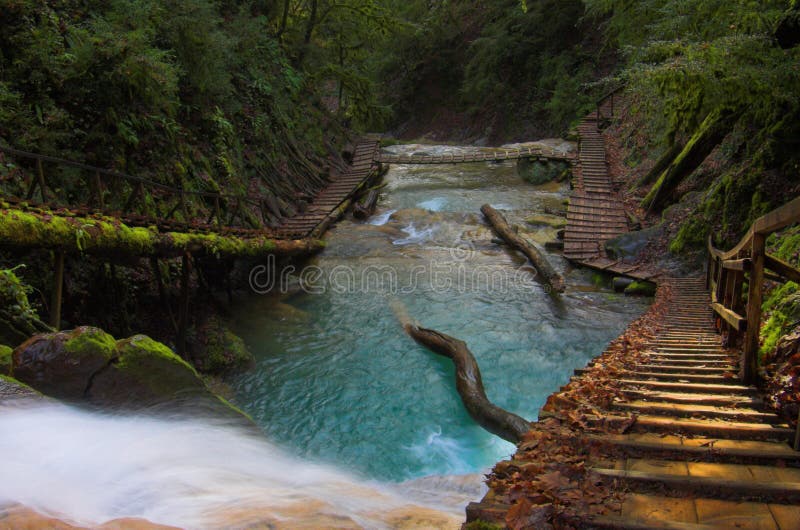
point(704, 452)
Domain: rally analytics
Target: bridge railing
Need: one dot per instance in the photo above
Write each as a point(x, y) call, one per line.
point(609, 97)
point(97, 190)
point(748, 263)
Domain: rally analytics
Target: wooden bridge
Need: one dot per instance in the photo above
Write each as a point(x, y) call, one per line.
point(141, 202)
point(122, 216)
point(595, 213)
point(494, 155)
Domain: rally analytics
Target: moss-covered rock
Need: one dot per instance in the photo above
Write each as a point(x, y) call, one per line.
point(553, 221)
point(541, 171)
point(63, 364)
point(10, 389)
point(87, 365)
point(641, 289)
point(5, 359)
point(144, 372)
point(217, 349)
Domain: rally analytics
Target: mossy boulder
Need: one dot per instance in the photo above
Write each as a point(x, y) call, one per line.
point(538, 172)
point(144, 372)
point(89, 366)
point(641, 289)
point(217, 349)
point(553, 221)
point(62, 364)
point(10, 389)
point(5, 359)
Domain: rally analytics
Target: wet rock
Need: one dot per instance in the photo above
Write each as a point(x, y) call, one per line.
point(628, 247)
point(145, 372)
point(554, 245)
point(541, 171)
point(87, 365)
point(11, 389)
point(216, 349)
point(552, 221)
point(620, 284)
point(641, 289)
point(62, 364)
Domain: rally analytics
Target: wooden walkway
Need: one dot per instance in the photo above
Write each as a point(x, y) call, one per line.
point(329, 203)
point(697, 450)
point(310, 223)
point(595, 214)
point(497, 155)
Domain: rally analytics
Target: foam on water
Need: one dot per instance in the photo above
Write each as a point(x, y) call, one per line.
point(436, 204)
point(382, 219)
point(415, 235)
point(89, 468)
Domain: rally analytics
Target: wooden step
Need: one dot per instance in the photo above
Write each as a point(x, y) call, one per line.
point(697, 388)
point(680, 410)
point(722, 400)
point(660, 512)
point(750, 482)
point(734, 430)
point(717, 449)
point(684, 377)
point(726, 365)
point(697, 368)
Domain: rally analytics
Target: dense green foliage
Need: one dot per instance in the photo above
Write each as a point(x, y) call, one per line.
point(205, 94)
point(688, 61)
point(501, 69)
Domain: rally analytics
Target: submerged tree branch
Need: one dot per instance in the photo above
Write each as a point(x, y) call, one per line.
point(469, 384)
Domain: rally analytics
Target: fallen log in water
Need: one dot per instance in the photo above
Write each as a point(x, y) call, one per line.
point(366, 207)
point(494, 419)
point(537, 259)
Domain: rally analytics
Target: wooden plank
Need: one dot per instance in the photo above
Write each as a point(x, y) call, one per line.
point(738, 322)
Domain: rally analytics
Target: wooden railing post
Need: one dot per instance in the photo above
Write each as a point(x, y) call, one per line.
point(58, 291)
point(754, 299)
point(183, 315)
point(98, 189)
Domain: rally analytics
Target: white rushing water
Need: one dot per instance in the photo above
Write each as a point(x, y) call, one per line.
point(88, 468)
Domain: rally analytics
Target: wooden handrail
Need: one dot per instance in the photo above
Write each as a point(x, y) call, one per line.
point(726, 277)
point(138, 184)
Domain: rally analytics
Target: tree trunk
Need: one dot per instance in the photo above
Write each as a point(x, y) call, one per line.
point(543, 267)
point(494, 419)
point(310, 25)
point(284, 18)
point(660, 166)
point(710, 133)
point(364, 209)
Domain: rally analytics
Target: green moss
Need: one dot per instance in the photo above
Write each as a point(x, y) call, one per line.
point(12, 381)
point(5, 359)
point(781, 310)
point(641, 289)
point(14, 294)
point(91, 341)
point(20, 228)
point(155, 365)
point(693, 234)
point(547, 220)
